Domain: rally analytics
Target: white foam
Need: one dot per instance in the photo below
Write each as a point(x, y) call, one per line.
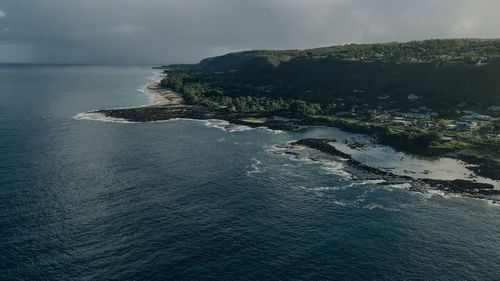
point(372, 206)
point(271, 130)
point(492, 202)
point(325, 188)
point(433, 192)
point(340, 203)
point(308, 156)
point(335, 168)
point(367, 182)
point(96, 116)
point(255, 167)
point(215, 123)
point(156, 77)
point(405, 186)
point(152, 96)
point(225, 125)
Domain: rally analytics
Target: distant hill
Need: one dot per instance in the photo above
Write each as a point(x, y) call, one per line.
point(442, 73)
point(468, 51)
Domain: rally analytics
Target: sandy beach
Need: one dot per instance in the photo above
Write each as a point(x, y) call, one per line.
point(165, 97)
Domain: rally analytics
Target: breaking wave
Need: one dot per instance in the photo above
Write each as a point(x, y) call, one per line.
point(96, 116)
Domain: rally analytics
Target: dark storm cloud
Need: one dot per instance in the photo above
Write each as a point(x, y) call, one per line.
point(155, 31)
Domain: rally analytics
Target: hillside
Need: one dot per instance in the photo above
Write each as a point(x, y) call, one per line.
point(429, 97)
point(447, 51)
point(442, 73)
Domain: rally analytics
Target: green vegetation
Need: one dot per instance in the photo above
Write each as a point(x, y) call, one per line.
point(443, 73)
point(361, 88)
point(442, 52)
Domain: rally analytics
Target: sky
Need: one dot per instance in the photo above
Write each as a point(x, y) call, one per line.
point(185, 31)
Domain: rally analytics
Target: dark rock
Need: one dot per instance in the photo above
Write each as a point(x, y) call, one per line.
point(464, 187)
point(483, 166)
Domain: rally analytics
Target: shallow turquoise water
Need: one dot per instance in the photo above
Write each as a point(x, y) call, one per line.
point(184, 200)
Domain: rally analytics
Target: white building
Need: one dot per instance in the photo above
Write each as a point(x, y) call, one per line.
point(494, 108)
point(412, 115)
point(413, 97)
point(464, 126)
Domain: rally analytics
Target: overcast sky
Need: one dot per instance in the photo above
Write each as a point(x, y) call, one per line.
point(184, 31)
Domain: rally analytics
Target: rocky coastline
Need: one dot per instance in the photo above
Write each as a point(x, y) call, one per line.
point(360, 171)
point(167, 112)
point(170, 105)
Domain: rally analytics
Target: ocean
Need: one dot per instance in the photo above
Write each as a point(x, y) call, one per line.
point(88, 198)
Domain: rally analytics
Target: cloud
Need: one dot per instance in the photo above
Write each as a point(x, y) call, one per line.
point(128, 29)
point(172, 31)
point(2, 14)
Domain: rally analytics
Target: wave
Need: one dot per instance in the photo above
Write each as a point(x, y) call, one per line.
point(229, 127)
point(356, 202)
point(155, 77)
point(370, 182)
point(322, 188)
point(271, 130)
point(335, 168)
point(306, 155)
point(373, 206)
point(151, 95)
point(96, 116)
point(225, 125)
point(212, 123)
point(255, 167)
point(405, 186)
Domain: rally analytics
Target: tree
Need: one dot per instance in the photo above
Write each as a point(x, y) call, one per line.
point(301, 108)
point(174, 81)
point(426, 138)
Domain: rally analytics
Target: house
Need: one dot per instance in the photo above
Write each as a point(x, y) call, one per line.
point(494, 108)
point(413, 115)
point(401, 122)
point(465, 126)
point(476, 116)
point(450, 126)
point(384, 97)
point(381, 117)
point(413, 97)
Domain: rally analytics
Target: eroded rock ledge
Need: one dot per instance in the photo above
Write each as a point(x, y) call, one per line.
point(167, 112)
point(361, 171)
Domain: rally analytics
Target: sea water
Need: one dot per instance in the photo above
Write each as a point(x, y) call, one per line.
point(186, 200)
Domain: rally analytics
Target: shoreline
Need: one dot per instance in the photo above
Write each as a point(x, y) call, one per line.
point(170, 105)
point(164, 97)
point(360, 171)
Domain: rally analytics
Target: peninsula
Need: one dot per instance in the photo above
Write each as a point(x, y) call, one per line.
point(432, 98)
